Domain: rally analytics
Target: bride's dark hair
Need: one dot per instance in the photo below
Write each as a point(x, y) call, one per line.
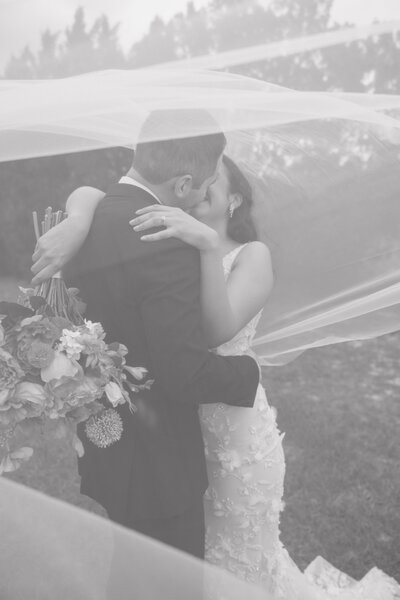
point(241, 226)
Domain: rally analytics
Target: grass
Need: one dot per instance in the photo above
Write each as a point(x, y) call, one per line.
point(340, 409)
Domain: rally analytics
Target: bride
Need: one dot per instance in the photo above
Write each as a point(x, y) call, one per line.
point(245, 458)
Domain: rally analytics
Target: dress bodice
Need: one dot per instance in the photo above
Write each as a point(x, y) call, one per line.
point(241, 343)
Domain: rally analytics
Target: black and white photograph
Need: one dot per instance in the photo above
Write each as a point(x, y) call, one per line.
point(200, 300)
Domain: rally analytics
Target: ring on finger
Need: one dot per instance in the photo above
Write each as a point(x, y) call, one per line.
point(163, 219)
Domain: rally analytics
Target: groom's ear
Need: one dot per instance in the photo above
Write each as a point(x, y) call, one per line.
point(183, 186)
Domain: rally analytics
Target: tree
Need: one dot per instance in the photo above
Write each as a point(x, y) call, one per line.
point(77, 54)
point(78, 50)
point(23, 66)
point(107, 50)
point(47, 60)
point(195, 32)
point(157, 46)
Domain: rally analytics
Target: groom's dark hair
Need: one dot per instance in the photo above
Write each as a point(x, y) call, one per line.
point(164, 151)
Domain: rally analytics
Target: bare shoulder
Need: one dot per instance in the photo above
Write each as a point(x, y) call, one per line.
point(255, 255)
point(253, 270)
point(88, 189)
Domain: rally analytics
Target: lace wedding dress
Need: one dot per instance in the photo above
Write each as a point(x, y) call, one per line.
point(246, 468)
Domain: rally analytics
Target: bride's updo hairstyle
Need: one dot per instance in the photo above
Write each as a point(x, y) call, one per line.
point(164, 152)
point(241, 226)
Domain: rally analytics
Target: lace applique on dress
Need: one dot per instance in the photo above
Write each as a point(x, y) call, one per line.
point(246, 469)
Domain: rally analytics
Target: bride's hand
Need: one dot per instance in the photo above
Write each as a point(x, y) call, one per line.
point(177, 224)
point(56, 247)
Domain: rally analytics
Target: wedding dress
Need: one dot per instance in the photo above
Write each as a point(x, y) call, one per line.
point(246, 468)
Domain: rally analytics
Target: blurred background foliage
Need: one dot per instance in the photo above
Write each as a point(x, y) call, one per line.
point(371, 66)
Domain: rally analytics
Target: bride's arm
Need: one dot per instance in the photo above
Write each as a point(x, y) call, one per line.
point(56, 247)
point(82, 203)
point(227, 306)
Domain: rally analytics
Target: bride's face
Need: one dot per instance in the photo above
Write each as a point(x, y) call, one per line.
point(189, 197)
point(213, 210)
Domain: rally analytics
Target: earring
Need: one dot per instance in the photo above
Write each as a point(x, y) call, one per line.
point(231, 210)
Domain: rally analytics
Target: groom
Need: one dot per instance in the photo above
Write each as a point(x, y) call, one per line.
point(147, 296)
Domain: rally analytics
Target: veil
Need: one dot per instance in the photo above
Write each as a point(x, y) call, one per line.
point(53, 550)
point(324, 169)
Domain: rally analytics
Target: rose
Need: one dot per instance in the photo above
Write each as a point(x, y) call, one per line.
point(10, 370)
point(30, 330)
point(21, 352)
point(41, 327)
point(67, 394)
point(27, 400)
point(27, 392)
point(40, 355)
point(60, 366)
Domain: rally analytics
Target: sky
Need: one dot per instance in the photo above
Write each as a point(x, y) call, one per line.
point(22, 21)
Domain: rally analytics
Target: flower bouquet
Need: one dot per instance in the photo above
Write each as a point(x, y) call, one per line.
point(56, 365)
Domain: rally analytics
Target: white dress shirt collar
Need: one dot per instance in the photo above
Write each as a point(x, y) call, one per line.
point(131, 181)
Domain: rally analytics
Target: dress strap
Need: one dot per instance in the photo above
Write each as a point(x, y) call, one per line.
point(231, 256)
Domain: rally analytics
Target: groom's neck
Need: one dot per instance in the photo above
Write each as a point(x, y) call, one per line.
point(138, 177)
point(158, 190)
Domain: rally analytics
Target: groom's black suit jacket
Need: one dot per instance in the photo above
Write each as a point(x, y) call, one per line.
point(147, 296)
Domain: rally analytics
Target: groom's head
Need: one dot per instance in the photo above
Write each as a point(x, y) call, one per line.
point(180, 168)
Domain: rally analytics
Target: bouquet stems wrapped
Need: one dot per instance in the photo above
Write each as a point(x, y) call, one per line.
point(62, 300)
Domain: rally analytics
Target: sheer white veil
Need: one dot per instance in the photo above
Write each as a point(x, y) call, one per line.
point(51, 550)
point(324, 169)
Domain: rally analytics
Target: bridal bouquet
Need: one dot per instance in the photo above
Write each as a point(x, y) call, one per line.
point(56, 365)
